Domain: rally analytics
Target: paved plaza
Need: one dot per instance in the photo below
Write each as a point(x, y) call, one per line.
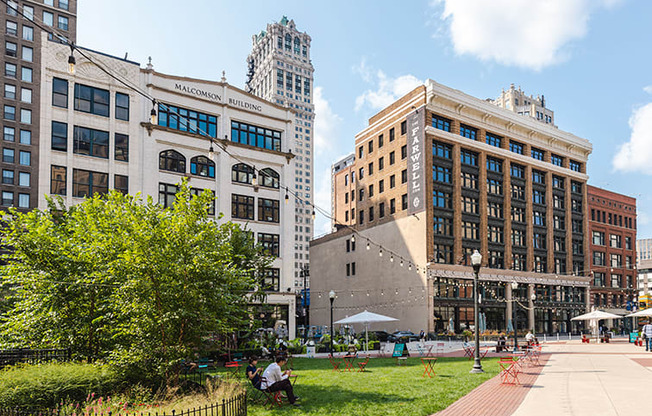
point(573, 379)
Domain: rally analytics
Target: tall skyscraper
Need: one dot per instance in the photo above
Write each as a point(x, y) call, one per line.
point(280, 71)
point(20, 101)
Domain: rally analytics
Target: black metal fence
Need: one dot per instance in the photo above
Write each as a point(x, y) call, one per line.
point(235, 406)
point(26, 355)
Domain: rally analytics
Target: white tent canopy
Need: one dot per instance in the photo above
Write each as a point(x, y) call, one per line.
point(366, 318)
point(594, 317)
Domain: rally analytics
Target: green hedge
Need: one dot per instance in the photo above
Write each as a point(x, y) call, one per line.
point(47, 385)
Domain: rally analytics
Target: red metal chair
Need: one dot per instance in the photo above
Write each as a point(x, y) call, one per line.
point(336, 364)
point(508, 371)
point(274, 398)
point(363, 364)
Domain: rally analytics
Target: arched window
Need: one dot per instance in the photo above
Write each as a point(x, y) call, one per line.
point(202, 166)
point(172, 160)
point(297, 46)
point(269, 178)
point(242, 173)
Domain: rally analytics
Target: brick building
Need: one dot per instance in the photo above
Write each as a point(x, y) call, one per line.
point(21, 99)
point(612, 228)
point(438, 174)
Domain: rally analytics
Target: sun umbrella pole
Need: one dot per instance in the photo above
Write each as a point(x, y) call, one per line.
point(366, 336)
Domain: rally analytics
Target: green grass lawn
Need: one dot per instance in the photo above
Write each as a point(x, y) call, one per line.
point(384, 389)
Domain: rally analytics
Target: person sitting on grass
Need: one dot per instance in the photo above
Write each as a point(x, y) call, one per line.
point(275, 379)
point(253, 373)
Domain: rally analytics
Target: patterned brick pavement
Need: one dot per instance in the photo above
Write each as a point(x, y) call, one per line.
point(494, 399)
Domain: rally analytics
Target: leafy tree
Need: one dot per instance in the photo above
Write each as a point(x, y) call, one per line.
point(126, 280)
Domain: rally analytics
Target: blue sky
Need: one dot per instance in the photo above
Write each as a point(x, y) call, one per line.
point(590, 58)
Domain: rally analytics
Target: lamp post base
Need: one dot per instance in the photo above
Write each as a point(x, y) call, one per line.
point(477, 367)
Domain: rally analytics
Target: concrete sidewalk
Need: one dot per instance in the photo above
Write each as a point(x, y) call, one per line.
point(593, 379)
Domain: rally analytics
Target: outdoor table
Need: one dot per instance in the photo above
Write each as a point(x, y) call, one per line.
point(349, 360)
point(429, 366)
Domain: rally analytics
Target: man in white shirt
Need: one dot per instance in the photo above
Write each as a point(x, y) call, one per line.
point(274, 379)
point(647, 331)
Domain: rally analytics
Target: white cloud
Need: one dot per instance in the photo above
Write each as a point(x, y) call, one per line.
point(636, 154)
point(327, 135)
point(648, 89)
point(523, 33)
point(327, 124)
point(385, 89)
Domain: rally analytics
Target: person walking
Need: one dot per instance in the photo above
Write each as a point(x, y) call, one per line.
point(647, 333)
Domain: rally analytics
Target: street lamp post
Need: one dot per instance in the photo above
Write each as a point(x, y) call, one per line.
point(514, 315)
point(476, 261)
point(331, 295)
point(305, 273)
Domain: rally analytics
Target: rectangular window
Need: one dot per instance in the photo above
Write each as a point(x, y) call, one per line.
point(8, 177)
point(392, 182)
point(121, 106)
point(27, 54)
point(495, 209)
point(441, 123)
point(538, 177)
point(268, 210)
point(86, 183)
point(469, 180)
point(25, 158)
point(121, 147)
point(494, 165)
point(28, 12)
point(271, 280)
point(92, 100)
point(470, 205)
point(496, 259)
point(517, 171)
point(10, 91)
point(539, 196)
point(558, 201)
point(381, 210)
point(392, 136)
point(443, 226)
point(59, 136)
point(167, 194)
point(576, 225)
point(360, 152)
point(26, 95)
point(270, 244)
point(539, 241)
point(12, 8)
point(443, 253)
point(598, 258)
point(392, 206)
point(494, 186)
point(557, 182)
point(403, 152)
point(442, 174)
point(468, 132)
point(392, 158)
point(11, 49)
point(370, 146)
point(615, 241)
point(539, 218)
point(9, 134)
point(403, 127)
point(10, 70)
point(576, 187)
point(26, 74)
point(519, 262)
point(576, 166)
point(518, 214)
point(404, 202)
point(59, 92)
point(576, 205)
point(469, 158)
point(7, 198)
point(24, 179)
point(91, 142)
point(25, 116)
point(381, 186)
point(441, 199)
point(381, 141)
point(556, 160)
point(470, 230)
point(242, 207)
point(8, 155)
point(25, 137)
point(495, 234)
point(121, 184)
point(516, 147)
point(48, 18)
point(404, 176)
point(381, 163)
point(255, 136)
point(494, 140)
point(28, 33)
point(12, 28)
point(537, 154)
point(10, 112)
point(441, 150)
point(518, 237)
point(63, 4)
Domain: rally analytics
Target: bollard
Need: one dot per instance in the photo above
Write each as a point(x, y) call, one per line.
point(569, 337)
point(557, 336)
point(544, 338)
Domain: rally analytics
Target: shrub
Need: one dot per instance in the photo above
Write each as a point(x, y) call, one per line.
point(47, 385)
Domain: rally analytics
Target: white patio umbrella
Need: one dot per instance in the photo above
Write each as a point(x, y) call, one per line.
point(594, 317)
point(366, 318)
point(644, 312)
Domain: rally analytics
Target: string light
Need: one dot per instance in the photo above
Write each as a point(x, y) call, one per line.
point(391, 258)
point(211, 151)
point(401, 262)
point(152, 116)
point(353, 238)
point(254, 180)
point(368, 246)
point(287, 198)
point(71, 60)
point(380, 252)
